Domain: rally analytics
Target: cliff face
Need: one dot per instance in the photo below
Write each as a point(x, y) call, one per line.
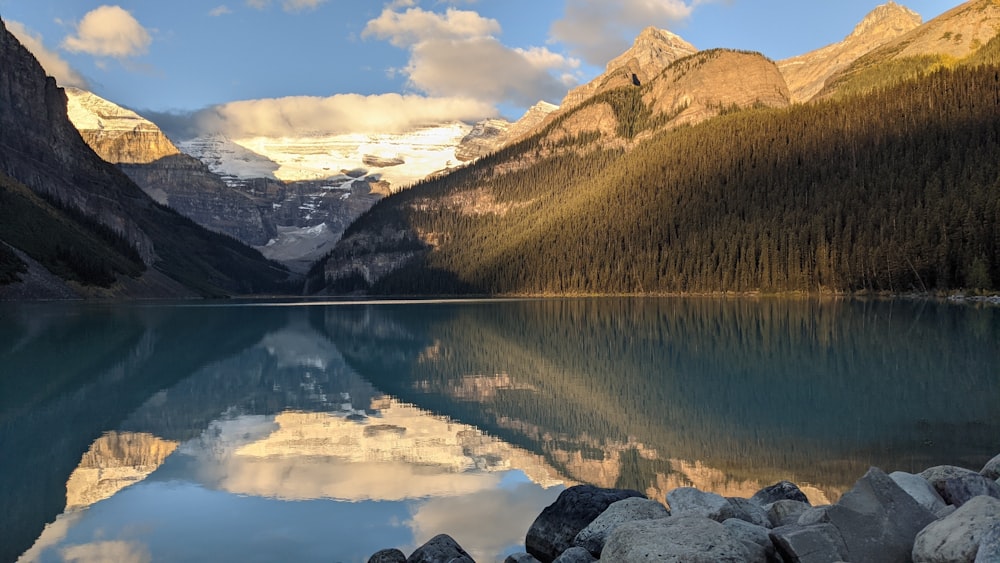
point(806, 74)
point(118, 135)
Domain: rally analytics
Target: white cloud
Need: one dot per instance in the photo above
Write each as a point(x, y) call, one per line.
point(598, 30)
point(457, 53)
point(109, 31)
point(53, 64)
point(342, 113)
point(290, 6)
point(220, 11)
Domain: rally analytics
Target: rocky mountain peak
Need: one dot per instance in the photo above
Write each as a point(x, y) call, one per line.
point(654, 49)
point(889, 18)
point(118, 135)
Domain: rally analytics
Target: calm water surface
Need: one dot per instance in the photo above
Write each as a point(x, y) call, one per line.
point(324, 432)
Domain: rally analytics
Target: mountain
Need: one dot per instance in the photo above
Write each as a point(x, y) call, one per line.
point(806, 74)
point(491, 135)
point(56, 177)
point(889, 190)
point(943, 42)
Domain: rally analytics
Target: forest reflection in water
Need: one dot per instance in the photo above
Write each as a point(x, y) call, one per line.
point(404, 413)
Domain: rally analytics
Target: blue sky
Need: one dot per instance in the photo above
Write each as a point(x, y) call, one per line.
point(396, 63)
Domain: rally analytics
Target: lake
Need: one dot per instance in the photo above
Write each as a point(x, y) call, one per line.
point(328, 431)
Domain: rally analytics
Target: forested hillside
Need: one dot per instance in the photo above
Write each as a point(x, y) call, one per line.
point(894, 189)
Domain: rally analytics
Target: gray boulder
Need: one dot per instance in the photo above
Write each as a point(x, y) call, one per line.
point(593, 537)
point(918, 488)
point(743, 509)
point(782, 490)
point(957, 485)
point(785, 512)
point(992, 469)
point(520, 558)
point(575, 555)
point(989, 546)
point(956, 538)
point(388, 556)
point(755, 538)
point(554, 529)
point(688, 539)
point(816, 543)
point(877, 520)
point(440, 549)
point(688, 501)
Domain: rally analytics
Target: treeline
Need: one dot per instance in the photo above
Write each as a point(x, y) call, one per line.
point(894, 190)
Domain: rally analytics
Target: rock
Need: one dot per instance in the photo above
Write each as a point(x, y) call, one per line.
point(816, 543)
point(575, 555)
point(945, 511)
point(957, 538)
point(689, 539)
point(440, 549)
point(989, 546)
point(743, 509)
point(520, 558)
point(918, 488)
point(992, 469)
point(755, 538)
point(957, 485)
point(783, 490)
point(388, 556)
point(593, 537)
point(686, 501)
point(554, 529)
point(877, 519)
point(785, 512)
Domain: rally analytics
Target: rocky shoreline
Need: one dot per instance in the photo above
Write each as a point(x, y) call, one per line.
point(943, 514)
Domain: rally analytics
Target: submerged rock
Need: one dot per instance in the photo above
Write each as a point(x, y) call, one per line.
point(554, 529)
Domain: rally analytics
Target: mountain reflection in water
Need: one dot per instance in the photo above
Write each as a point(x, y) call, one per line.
point(327, 432)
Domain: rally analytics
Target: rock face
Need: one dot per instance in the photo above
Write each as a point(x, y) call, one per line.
point(557, 526)
point(806, 74)
point(118, 135)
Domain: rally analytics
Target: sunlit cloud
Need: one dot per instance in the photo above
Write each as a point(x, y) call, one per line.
point(598, 31)
point(338, 114)
point(220, 11)
point(53, 64)
point(97, 552)
point(109, 31)
point(458, 53)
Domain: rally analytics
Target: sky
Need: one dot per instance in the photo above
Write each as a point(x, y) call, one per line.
point(274, 67)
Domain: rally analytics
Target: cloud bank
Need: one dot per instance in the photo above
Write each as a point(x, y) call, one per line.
point(338, 114)
point(109, 31)
point(598, 30)
point(53, 64)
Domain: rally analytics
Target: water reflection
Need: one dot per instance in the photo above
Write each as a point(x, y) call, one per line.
point(325, 433)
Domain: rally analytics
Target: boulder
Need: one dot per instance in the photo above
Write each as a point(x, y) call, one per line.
point(785, 512)
point(992, 469)
point(755, 538)
point(989, 546)
point(956, 538)
point(782, 490)
point(956, 485)
point(816, 543)
point(918, 488)
point(593, 537)
point(688, 539)
point(388, 556)
point(743, 509)
point(440, 549)
point(554, 529)
point(877, 520)
point(520, 558)
point(575, 555)
point(686, 501)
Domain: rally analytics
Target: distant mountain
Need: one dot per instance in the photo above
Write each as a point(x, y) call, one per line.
point(806, 74)
point(72, 188)
point(491, 135)
point(704, 178)
point(942, 42)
